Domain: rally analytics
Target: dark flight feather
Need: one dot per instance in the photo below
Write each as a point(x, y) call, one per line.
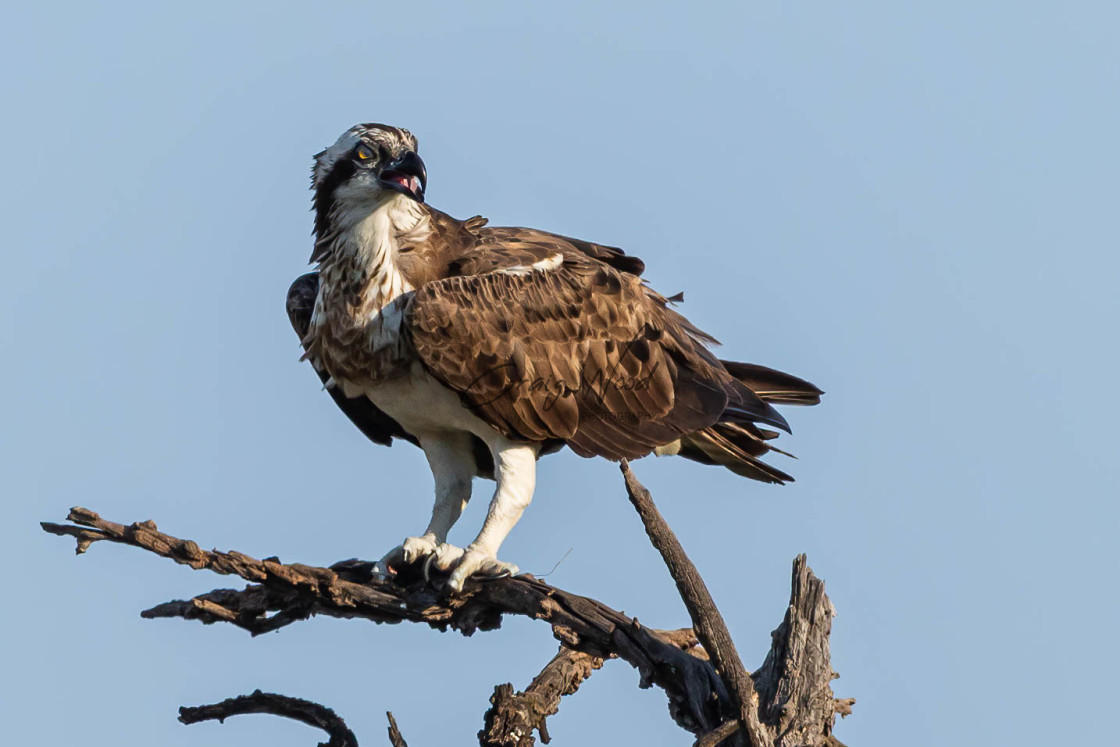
point(774, 386)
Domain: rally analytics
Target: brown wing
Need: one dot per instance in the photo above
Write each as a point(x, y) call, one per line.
point(547, 344)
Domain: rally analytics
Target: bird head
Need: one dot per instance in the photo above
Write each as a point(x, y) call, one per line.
point(367, 163)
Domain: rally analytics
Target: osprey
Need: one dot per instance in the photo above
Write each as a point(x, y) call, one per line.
point(490, 347)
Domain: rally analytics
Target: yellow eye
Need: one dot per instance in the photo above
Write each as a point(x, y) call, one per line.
point(364, 153)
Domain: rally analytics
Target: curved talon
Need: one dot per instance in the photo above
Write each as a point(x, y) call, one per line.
point(415, 548)
point(481, 565)
point(483, 576)
point(461, 563)
point(449, 556)
point(412, 550)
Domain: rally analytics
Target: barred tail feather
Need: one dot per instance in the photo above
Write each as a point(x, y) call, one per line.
point(736, 441)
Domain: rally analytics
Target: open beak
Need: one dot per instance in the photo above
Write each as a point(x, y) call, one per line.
point(406, 175)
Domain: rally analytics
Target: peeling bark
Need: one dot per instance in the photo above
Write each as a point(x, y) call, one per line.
point(794, 680)
point(513, 717)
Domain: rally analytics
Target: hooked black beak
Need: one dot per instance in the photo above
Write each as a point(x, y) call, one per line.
point(406, 175)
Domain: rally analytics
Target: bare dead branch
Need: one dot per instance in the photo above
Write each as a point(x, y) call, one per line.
point(717, 735)
point(794, 682)
point(706, 618)
point(304, 711)
point(793, 704)
point(395, 737)
point(513, 717)
point(285, 593)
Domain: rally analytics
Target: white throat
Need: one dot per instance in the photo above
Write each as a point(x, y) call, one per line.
point(367, 241)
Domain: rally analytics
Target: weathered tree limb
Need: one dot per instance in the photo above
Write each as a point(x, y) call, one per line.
point(395, 737)
point(720, 733)
point(706, 618)
point(793, 705)
point(698, 700)
point(513, 717)
point(794, 680)
point(305, 711)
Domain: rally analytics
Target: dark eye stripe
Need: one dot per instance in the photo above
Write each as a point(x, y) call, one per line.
point(342, 170)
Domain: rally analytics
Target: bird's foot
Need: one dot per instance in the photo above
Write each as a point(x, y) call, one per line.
point(468, 563)
point(471, 562)
point(412, 550)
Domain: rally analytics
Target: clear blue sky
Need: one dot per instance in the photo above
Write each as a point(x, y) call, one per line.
point(913, 207)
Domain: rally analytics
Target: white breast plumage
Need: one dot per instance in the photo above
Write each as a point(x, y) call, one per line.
point(356, 327)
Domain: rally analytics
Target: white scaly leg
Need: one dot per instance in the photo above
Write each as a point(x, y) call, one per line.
point(515, 469)
point(453, 467)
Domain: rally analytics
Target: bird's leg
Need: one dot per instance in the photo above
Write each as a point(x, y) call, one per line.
point(515, 470)
point(453, 466)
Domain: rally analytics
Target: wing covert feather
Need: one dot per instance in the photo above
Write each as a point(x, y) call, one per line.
point(579, 351)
